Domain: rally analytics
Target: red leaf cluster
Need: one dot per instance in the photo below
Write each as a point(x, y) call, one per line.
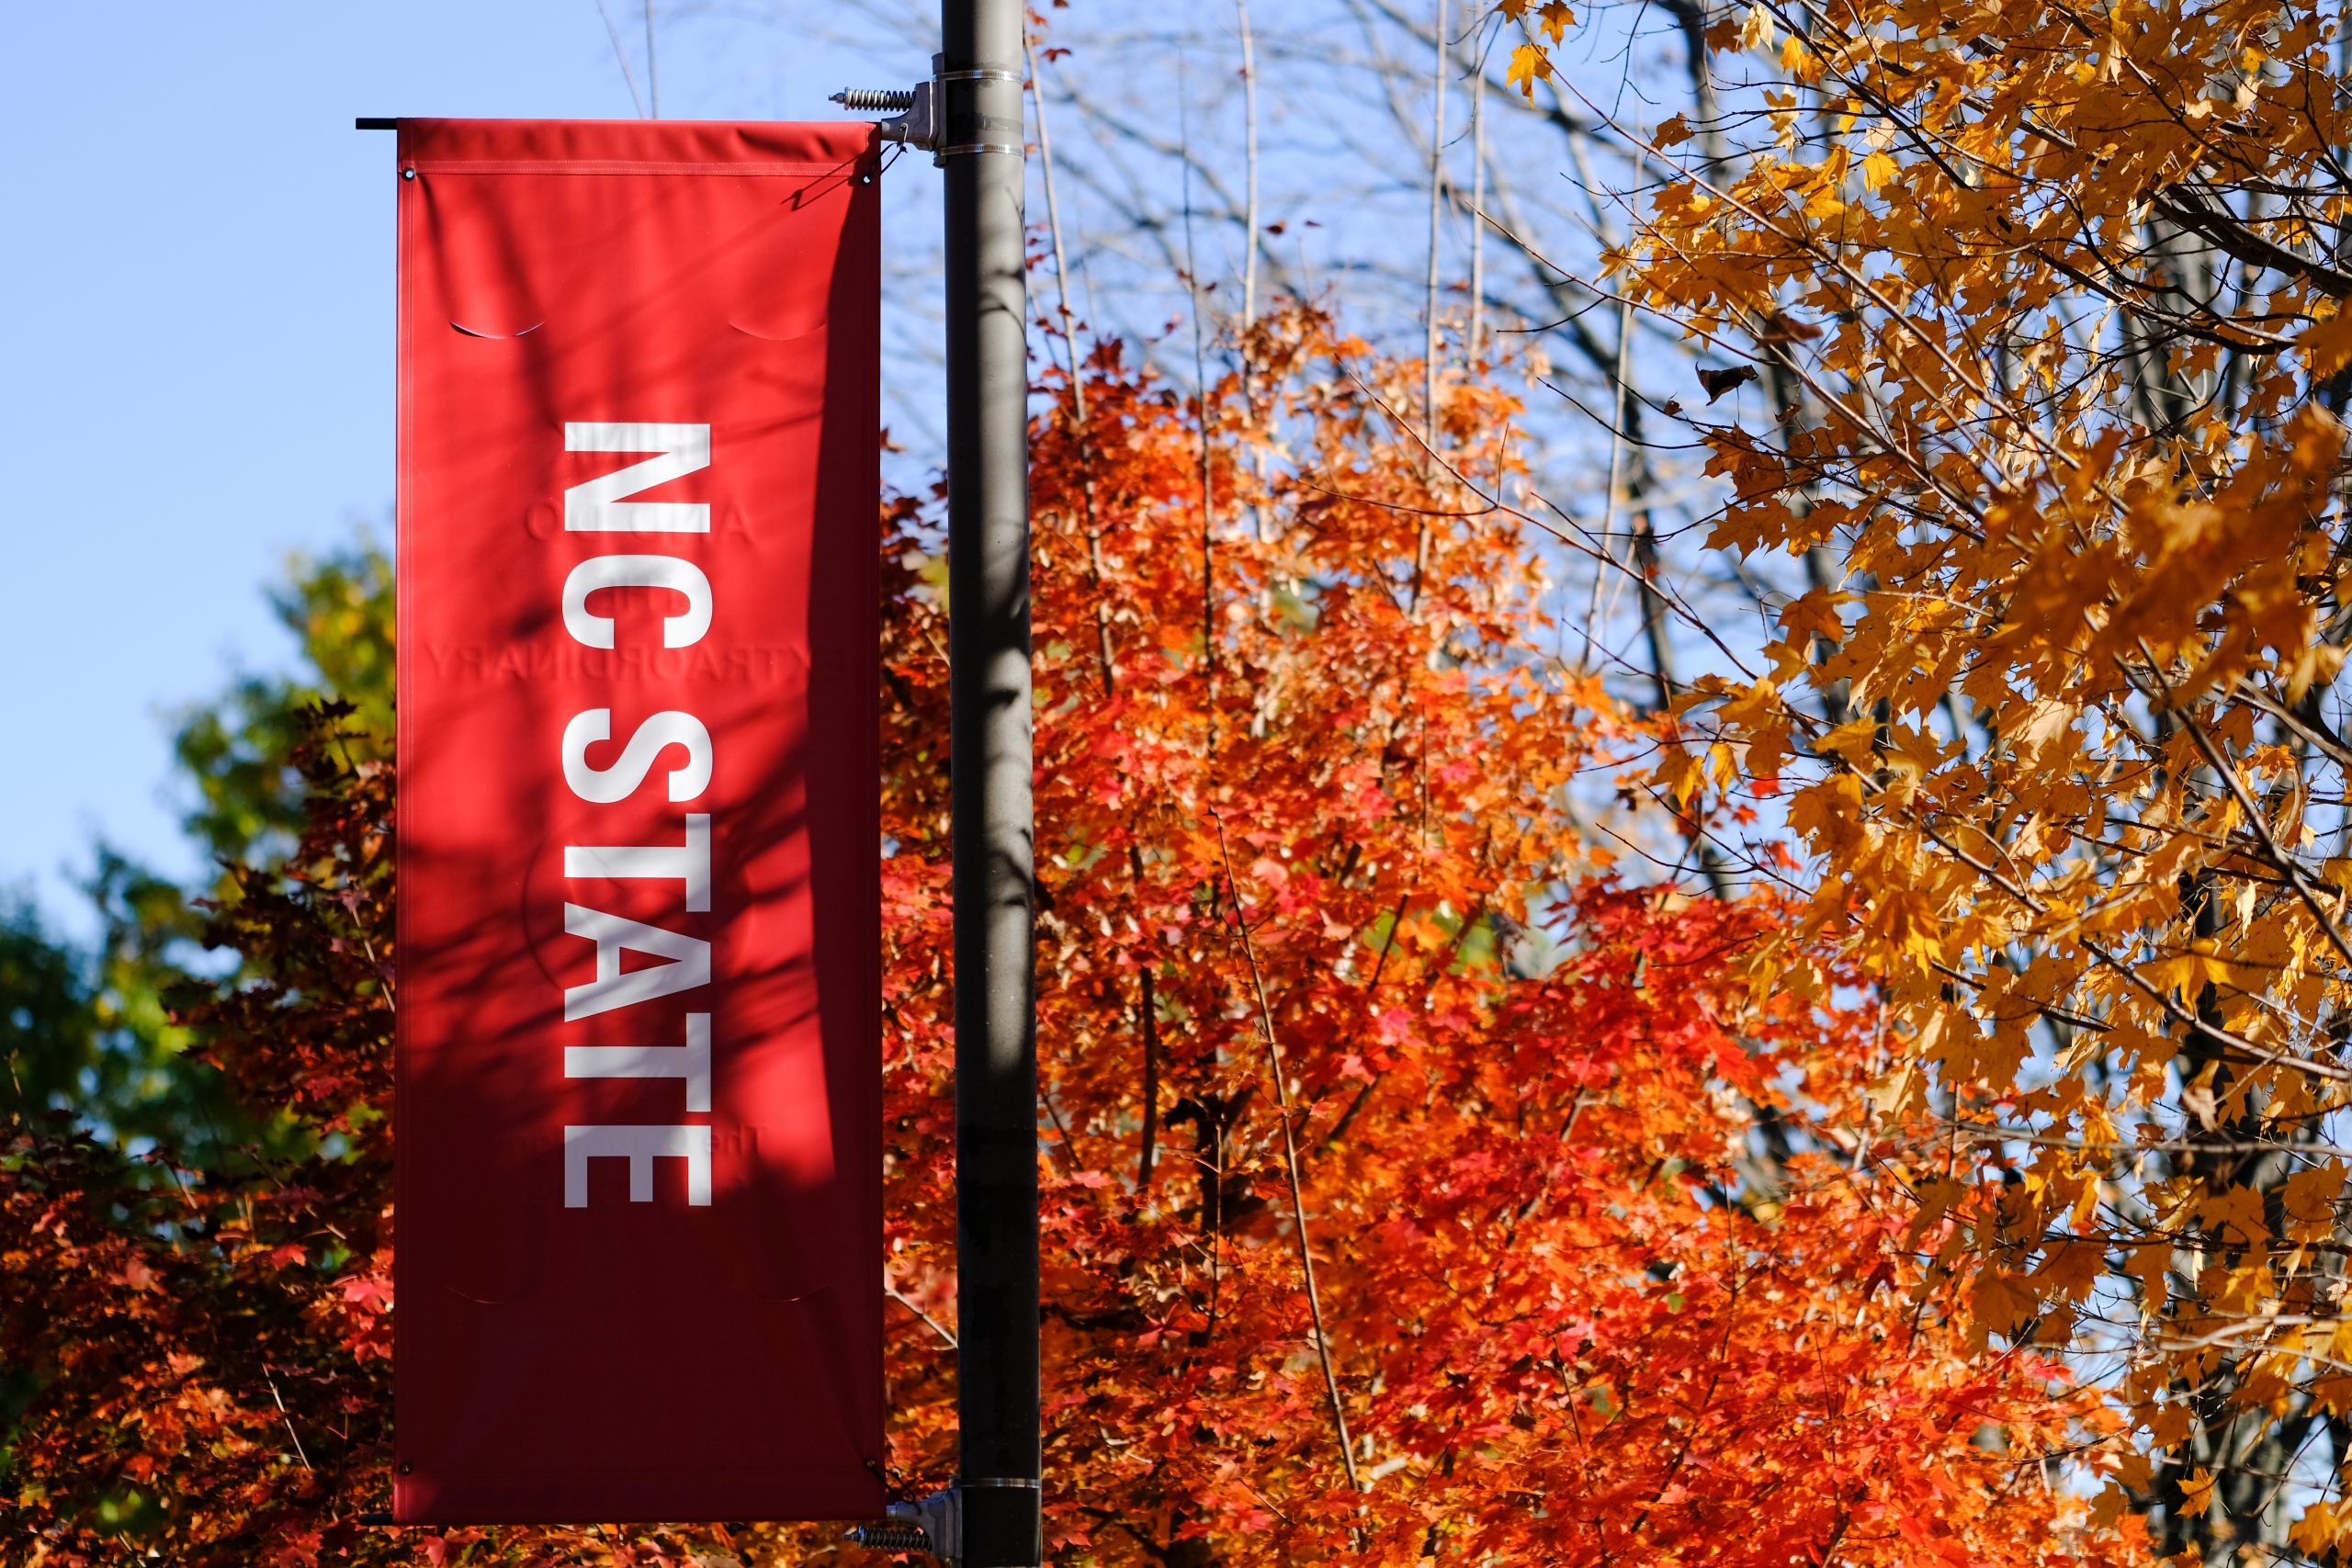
point(1594, 1279)
point(1333, 976)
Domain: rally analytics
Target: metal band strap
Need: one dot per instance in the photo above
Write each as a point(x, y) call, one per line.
point(986, 73)
point(985, 147)
point(999, 1480)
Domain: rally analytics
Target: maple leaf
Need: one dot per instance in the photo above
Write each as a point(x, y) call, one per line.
point(1780, 327)
point(2311, 1195)
point(1814, 613)
point(1717, 382)
point(2326, 346)
point(368, 1291)
point(2236, 1214)
point(1529, 65)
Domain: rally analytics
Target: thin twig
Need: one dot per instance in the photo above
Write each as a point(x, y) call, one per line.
point(891, 1291)
point(1478, 200)
point(628, 72)
point(1150, 1083)
point(1428, 303)
point(1616, 473)
point(1201, 387)
point(1371, 999)
point(285, 1416)
point(1437, 202)
point(1105, 651)
point(652, 74)
point(1290, 1160)
point(1250, 146)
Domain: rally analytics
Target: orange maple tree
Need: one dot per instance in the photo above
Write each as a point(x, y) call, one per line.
point(1414, 1186)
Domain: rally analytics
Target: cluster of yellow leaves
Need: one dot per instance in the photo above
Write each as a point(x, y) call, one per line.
point(1531, 62)
point(2046, 302)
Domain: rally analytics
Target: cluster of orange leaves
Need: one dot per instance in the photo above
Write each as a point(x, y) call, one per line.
point(1562, 1324)
point(1308, 800)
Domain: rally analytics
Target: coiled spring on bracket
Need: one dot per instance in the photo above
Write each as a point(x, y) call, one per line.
point(892, 1538)
point(874, 100)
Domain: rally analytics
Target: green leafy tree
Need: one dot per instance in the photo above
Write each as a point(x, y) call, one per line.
point(48, 1030)
point(237, 749)
point(91, 1033)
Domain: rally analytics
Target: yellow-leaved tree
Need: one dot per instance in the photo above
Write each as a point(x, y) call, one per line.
point(2033, 316)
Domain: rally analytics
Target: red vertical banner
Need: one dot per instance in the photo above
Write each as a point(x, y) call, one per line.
point(640, 1184)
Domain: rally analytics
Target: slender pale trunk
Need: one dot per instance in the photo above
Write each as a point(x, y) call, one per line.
point(1437, 201)
point(1250, 199)
point(1429, 311)
point(1201, 386)
point(1103, 652)
point(1478, 207)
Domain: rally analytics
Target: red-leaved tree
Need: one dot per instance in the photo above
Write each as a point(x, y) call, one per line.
point(1414, 1186)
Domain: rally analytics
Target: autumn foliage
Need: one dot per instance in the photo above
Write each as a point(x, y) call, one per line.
point(1415, 1186)
point(198, 1359)
point(2041, 308)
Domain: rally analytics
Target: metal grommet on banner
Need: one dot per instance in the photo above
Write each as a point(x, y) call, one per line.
point(409, 173)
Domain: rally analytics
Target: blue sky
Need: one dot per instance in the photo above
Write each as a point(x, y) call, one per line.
point(198, 258)
point(198, 348)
